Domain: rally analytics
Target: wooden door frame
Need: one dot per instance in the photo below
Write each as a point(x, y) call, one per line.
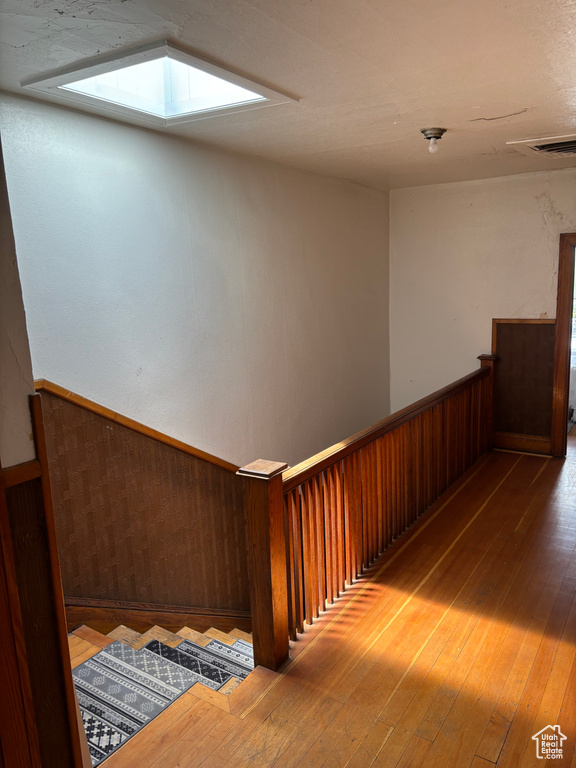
point(510, 441)
point(564, 303)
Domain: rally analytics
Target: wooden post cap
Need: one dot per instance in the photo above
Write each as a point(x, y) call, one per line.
point(487, 357)
point(263, 469)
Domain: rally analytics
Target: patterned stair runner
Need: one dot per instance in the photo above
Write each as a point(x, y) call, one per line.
point(121, 689)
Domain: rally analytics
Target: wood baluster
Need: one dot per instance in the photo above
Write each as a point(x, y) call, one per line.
point(348, 550)
point(468, 434)
point(330, 511)
point(409, 447)
point(447, 406)
point(406, 464)
point(320, 539)
point(308, 558)
point(384, 444)
point(342, 541)
point(328, 534)
point(291, 514)
point(315, 540)
point(358, 514)
point(398, 485)
point(465, 430)
point(297, 535)
point(368, 501)
point(439, 449)
point(334, 504)
point(380, 494)
point(420, 467)
point(390, 493)
point(417, 459)
point(377, 503)
point(425, 461)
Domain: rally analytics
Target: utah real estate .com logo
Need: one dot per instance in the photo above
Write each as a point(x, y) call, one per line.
point(549, 743)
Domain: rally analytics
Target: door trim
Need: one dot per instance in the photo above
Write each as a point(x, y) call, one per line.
point(564, 303)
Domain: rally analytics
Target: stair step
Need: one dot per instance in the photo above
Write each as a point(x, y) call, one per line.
point(220, 698)
point(158, 633)
point(125, 635)
point(195, 637)
point(85, 641)
point(81, 650)
point(241, 635)
point(92, 636)
point(216, 634)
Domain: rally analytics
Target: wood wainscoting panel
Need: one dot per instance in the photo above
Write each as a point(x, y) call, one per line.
point(523, 383)
point(141, 521)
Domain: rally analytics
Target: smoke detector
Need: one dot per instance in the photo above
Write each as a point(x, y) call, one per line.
point(552, 146)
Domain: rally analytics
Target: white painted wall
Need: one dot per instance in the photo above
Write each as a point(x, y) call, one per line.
point(462, 254)
point(235, 304)
point(16, 381)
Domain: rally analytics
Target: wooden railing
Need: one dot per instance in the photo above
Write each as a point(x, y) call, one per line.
point(346, 505)
point(300, 535)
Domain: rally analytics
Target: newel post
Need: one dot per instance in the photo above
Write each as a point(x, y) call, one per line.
point(267, 561)
point(488, 361)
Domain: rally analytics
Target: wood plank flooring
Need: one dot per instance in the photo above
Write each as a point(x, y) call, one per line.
point(451, 652)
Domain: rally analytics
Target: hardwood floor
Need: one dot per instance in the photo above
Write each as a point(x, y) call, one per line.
point(455, 649)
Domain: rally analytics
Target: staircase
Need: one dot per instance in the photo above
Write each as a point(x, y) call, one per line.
point(137, 676)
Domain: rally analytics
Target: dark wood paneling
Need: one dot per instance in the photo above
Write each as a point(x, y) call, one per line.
point(42, 385)
point(33, 572)
point(141, 521)
point(523, 377)
point(104, 616)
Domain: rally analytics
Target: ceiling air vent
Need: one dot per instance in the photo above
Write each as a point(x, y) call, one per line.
point(554, 146)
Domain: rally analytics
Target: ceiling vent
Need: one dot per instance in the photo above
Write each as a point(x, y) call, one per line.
point(553, 146)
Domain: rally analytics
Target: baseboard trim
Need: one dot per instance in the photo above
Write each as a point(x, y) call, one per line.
point(104, 615)
point(523, 443)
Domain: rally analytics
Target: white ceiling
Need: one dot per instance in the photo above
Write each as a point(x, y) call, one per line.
point(369, 74)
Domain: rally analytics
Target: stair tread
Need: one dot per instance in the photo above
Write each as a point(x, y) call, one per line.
point(216, 634)
point(219, 698)
point(125, 635)
point(77, 645)
point(239, 634)
point(87, 653)
point(92, 636)
point(195, 637)
point(158, 633)
point(252, 687)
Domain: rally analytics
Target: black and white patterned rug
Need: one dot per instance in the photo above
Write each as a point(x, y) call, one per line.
point(120, 690)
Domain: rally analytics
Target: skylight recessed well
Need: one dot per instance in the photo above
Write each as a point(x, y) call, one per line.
point(159, 82)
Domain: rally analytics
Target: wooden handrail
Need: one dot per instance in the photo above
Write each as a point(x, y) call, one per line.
point(294, 476)
point(125, 421)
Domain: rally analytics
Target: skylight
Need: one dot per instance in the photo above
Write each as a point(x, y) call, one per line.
point(164, 87)
point(159, 82)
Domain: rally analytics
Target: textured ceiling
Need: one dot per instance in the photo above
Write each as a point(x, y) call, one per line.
point(369, 74)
